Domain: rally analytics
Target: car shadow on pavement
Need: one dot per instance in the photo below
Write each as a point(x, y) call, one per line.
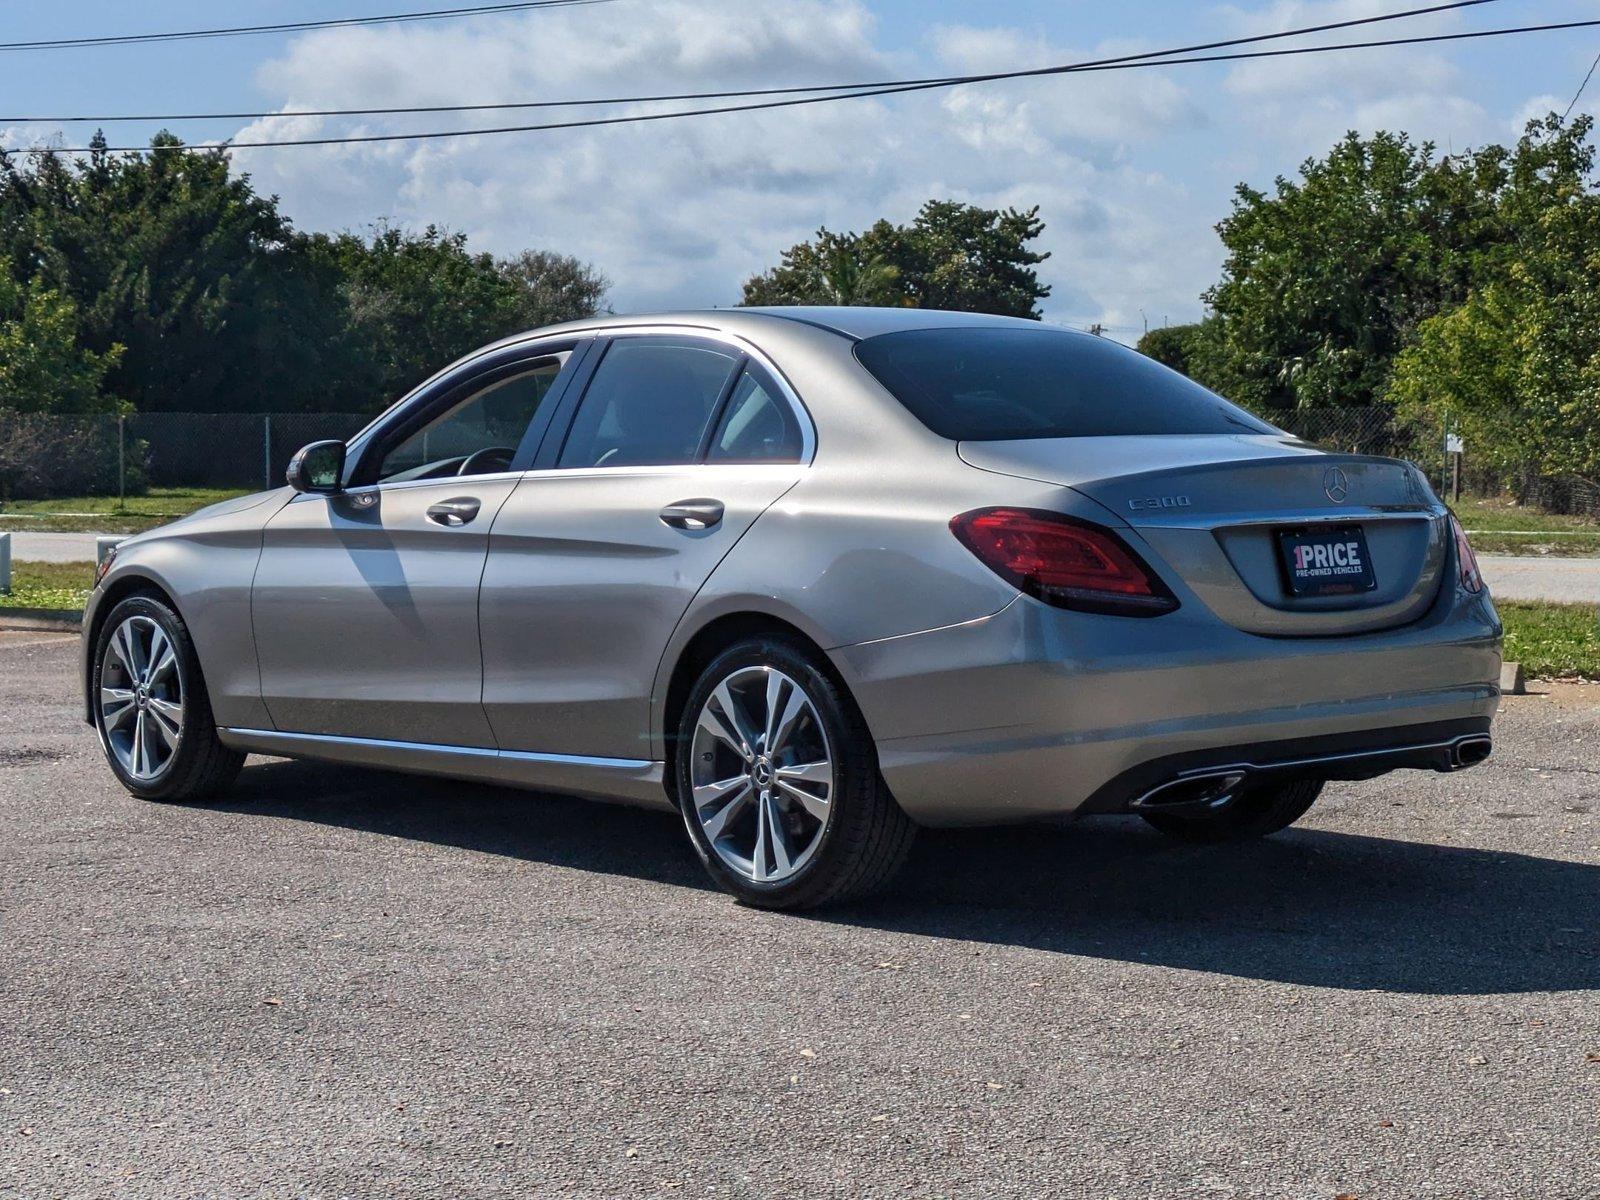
point(1306, 907)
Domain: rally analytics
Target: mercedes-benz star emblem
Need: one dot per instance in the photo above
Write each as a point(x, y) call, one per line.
point(1336, 485)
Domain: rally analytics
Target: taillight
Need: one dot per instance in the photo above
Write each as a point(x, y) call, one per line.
point(1466, 560)
point(1067, 563)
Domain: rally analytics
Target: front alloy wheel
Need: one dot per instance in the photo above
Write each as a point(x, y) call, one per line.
point(141, 698)
point(151, 706)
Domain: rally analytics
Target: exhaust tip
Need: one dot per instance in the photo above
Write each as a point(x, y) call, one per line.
point(1469, 752)
point(1193, 792)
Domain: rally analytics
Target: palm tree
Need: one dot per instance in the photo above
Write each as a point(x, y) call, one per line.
point(844, 277)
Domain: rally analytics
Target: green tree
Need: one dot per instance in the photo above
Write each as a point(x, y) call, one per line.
point(953, 256)
point(549, 288)
point(43, 368)
point(416, 301)
point(202, 281)
point(834, 268)
point(1517, 367)
point(219, 305)
point(1328, 277)
point(1171, 346)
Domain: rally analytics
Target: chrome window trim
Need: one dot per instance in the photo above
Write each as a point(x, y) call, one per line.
point(658, 469)
point(802, 414)
point(808, 428)
point(357, 443)
point(376, 489)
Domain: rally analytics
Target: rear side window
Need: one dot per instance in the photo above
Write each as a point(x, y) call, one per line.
point(648, 405)
point(996, 384)
point(758, 426)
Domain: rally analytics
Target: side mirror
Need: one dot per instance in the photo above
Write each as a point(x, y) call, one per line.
point(318, 467)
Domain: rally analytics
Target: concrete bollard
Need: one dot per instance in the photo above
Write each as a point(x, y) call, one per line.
point(1512, 681)
point(5, 564)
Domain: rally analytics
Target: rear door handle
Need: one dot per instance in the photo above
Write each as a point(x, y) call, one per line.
point(692, 514)
point(456, 512)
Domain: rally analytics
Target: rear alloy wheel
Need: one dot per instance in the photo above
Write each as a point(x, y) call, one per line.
point(151, 708)
point(778, 781)
point(1253, 813)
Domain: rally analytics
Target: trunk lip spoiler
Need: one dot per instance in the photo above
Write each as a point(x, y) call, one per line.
point(1282, 518)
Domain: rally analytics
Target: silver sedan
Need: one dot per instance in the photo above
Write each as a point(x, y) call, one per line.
point(812, 578)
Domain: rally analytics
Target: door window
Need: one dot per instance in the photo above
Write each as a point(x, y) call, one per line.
point(648, 405)
point(478, 436)
point(758, 426)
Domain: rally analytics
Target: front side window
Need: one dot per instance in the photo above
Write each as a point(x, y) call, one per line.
point(758, 426)
point(478, 436)
point(988, 384)
point(648, 404)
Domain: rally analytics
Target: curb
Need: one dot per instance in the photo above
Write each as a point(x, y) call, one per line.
point(41, 620)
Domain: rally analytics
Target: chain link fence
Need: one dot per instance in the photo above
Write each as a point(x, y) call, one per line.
point(1356, 430)
point(47, 456)
point(1376, 431)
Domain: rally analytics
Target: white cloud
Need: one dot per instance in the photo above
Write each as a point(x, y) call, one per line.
point(679, 213)
point(1130, 168)
point(1306, 102)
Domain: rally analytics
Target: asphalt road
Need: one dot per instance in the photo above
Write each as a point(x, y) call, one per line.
point(1564, 580)
point(53, 547)
point(343, 983)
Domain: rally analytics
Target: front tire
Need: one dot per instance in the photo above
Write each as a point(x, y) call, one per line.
point(1255, 813)
point(777, 778)
point(151, 707)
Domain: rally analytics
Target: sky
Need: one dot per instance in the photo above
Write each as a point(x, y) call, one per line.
point(1130, 170)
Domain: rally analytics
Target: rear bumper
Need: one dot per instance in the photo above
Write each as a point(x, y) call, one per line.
point(1201, 779)
point(1035, 712)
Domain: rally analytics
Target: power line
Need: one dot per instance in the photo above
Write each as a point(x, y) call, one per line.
point(188, 35)
point(727, 95)
point(1578, 95)
point(638, 118)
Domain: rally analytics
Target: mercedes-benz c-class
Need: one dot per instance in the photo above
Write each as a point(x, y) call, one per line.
point(812, 578)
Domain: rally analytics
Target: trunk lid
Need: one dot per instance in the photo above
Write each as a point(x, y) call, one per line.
point(1215, 508)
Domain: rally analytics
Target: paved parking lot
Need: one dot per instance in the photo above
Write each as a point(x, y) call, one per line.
point(343, 983)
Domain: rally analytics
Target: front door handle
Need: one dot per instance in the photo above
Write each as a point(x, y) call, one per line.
point(454, 513)
point(692, 514)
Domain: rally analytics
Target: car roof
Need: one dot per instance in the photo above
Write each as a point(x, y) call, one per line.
point(853, 323)
point(861, 323)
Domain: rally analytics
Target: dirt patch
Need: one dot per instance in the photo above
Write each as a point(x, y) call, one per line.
point(26, 757)
point(1579, 696)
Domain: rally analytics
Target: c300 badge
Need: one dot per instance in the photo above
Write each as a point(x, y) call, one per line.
point(1149, 502)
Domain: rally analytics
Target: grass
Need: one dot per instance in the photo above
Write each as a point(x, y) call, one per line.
point(1499, 525)
point(1552, 641)
point(49, 585)
point(102, 514)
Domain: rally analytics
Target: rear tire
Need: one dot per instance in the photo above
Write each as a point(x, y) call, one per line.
point(1254, 814)
point(782, 797)
point(151, 708)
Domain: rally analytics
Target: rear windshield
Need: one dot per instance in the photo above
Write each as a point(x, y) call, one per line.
point(996, 384)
